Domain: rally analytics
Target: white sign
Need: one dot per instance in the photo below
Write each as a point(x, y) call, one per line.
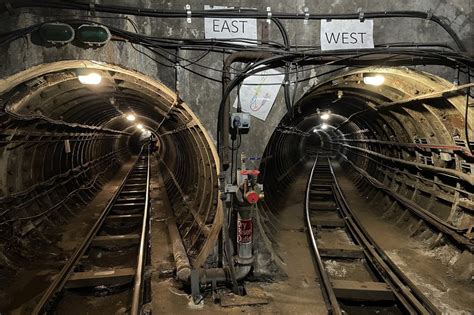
point(258, 93)
point(347, 34)
point(230, 28)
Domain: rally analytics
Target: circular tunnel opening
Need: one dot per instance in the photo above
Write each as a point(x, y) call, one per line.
point(379, 120)
point(65, 136)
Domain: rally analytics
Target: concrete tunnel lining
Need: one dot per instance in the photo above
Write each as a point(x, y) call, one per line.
point(99, 137)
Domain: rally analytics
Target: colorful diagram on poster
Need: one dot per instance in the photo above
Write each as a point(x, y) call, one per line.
point(258, 93)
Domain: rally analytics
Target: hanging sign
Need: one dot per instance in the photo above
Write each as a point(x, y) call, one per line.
point(347, 34)
point(230, 28)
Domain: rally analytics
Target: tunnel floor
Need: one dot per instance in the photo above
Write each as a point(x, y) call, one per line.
point(299, 293)
point(428, 269)
point(28, 284)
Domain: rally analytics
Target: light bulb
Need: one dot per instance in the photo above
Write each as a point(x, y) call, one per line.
point(92, 78)
point(325, 116)
point(131, 117)
point(324, 126)
point(375, 80)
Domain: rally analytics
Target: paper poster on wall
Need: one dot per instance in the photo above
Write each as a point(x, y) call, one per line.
point(258, 93)
point(230, 28)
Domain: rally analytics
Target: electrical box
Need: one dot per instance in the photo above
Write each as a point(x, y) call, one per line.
point(240, 123)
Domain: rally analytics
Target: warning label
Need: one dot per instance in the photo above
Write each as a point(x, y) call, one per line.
point(244, 231)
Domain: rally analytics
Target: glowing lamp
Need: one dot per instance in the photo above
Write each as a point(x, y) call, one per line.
point(91, 78)
point(374, 79)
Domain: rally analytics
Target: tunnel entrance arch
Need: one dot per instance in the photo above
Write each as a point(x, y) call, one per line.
point(408, 133)
point(60, 135)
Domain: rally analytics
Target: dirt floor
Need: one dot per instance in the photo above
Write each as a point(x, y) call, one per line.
point(424, 267)
point(31, 281)
point(299, 294)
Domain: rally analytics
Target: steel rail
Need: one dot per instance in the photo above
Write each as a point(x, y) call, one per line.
point(402, 287)
point(66, 271)
point(328, 292)
point(137, 287)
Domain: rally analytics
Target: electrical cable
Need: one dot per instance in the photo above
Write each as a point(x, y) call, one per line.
point(286, 85)
point(89, 185)
point(240, 12)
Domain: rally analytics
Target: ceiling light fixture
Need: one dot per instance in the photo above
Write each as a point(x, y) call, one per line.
point(325, 116)
point(324, 126)
point(92, 78)
point(140, 126)
point(374, 79)
point(131, 117)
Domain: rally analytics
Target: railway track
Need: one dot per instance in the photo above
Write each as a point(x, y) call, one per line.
point(356, 276)
point(106, 272)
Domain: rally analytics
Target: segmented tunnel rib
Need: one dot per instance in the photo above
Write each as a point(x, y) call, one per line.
point(112, 257)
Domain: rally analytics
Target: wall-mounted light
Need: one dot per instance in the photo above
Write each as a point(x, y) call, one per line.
point(324, 126)
point(373, 79)
point(89, 78)
point(315, 130)
point(93, 35)
point(131, 117)
point(140, 126)
point(325, 116)
point(56, 33)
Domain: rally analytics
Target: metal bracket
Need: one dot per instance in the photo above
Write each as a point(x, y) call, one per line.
point(216, 297)
point(196, 287)
point(306, 16)
point(269, 15)
point(231, 188)
point(92, 7)
point(361, 14)
point(429, 14)
point(188, 13)
point(9, 7)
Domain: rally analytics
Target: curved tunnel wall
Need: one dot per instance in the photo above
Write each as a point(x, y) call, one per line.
point(407, 134)
point(62, 140)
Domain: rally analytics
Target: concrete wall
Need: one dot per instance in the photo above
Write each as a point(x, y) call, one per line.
point(204, 96)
